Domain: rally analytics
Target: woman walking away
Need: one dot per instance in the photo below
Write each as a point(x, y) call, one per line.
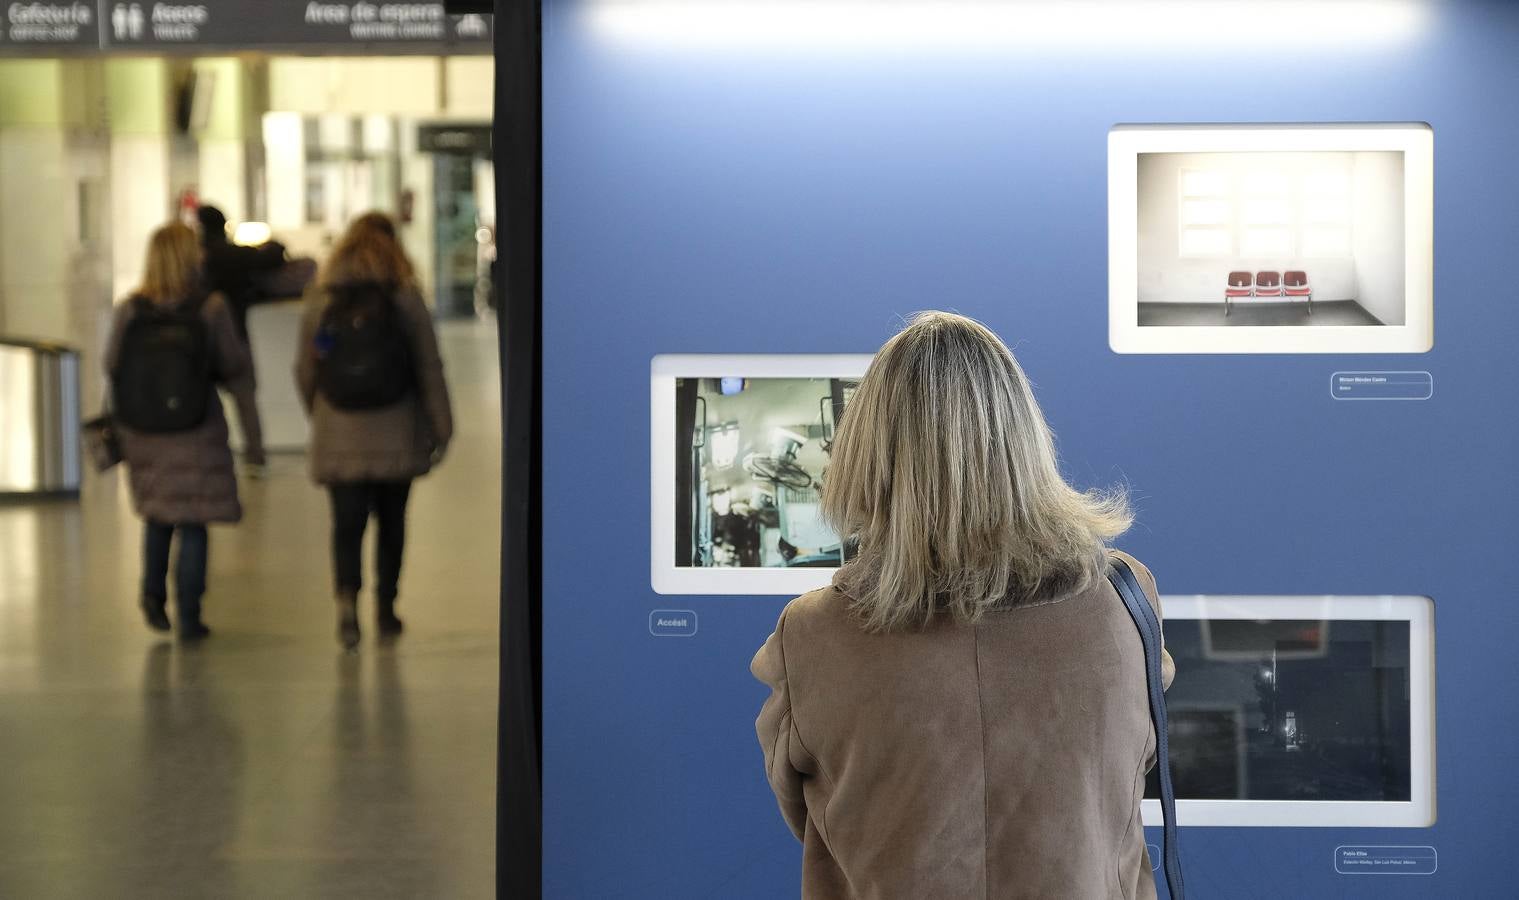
point(964, 712)
point(171, 343)
point(372, 380)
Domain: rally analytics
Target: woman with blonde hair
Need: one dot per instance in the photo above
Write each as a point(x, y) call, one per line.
point(964, 712)
point(371, 377)
point(170, 344)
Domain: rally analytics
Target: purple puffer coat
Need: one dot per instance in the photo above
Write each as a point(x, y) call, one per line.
point(187, 477)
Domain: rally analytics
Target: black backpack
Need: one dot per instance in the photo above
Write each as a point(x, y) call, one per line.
point(163, 381)
point(364, 358)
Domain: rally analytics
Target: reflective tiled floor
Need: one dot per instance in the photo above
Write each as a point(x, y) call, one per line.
point(1255, 312)
point(265, 762)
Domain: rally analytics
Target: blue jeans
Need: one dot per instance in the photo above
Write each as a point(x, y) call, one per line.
point(189, 571)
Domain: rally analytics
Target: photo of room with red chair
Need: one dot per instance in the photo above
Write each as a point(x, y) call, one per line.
point(1299, 239)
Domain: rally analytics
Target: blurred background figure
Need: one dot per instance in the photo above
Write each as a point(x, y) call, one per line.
point(171, 343)
point(370, 375)
point(230, 270)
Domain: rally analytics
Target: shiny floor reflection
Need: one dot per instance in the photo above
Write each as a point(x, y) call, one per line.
point(1250, 312)
point(264, 763)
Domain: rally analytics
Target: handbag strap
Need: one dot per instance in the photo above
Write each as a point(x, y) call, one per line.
point(1127, 584)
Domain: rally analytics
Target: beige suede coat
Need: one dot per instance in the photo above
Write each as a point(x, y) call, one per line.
point(396, 443)
point(1001, 760)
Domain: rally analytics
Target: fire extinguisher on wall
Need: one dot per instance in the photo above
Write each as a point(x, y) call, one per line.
point(189, 204)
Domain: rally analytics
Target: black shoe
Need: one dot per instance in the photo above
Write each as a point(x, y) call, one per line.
point(190, 632)
point(191, 628)
point(385, 618)
point(348, 622)
point(155, 612)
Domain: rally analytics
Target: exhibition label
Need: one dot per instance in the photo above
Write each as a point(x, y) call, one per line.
point(1385, 860)
point(1381, 385)
point(672, 623)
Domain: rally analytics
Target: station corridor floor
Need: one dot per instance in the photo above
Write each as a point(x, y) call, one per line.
point(264, 762)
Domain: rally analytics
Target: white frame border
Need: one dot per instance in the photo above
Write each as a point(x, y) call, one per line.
point(1419, 811)
point(664, 575)
point(1414, 139)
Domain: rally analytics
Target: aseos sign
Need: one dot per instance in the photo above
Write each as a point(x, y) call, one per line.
point(284, 23)
point(159, 23)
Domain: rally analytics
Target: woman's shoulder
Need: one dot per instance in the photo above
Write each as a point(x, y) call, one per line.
point(1142, 571)
point(317, 295)
point(822, 608)
point(1133, 563)
point(409, 297)
point(213, 303)
point(125, 308)
point(207, 305)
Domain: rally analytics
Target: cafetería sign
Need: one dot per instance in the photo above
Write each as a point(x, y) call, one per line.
point(41, 28)
point(37, 25)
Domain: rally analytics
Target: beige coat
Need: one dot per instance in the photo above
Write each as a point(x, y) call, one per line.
point(391, 444)
point(187, 477)
point(1002, 760)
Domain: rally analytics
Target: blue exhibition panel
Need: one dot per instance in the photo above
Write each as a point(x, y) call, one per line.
point(769, 195)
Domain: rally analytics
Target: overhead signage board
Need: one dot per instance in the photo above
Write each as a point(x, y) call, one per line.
point(41, 29)
point(44, 28)
point(471, 140)
point(253, 23)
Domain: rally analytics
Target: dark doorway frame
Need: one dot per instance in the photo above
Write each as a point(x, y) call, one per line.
point(517, 141)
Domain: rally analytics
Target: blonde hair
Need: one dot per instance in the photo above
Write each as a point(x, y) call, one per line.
point(368, 251)
point(944, 471)
point(172, 271)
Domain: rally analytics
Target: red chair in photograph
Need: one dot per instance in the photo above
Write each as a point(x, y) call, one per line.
point(1238, 288)
point(1295, 286)
point(1268, 284)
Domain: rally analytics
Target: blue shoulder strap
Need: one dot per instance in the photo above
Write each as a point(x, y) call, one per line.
point(1128, 587)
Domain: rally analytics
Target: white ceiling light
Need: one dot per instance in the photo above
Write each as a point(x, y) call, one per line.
point(1254, 27)
point(251, 234)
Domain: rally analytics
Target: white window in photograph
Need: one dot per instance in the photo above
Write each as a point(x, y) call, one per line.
point(1266, 241)
point(1326, 214)
point(1207, 214)
point(1265, 183)
point(1265, 214)
point(1206, 242)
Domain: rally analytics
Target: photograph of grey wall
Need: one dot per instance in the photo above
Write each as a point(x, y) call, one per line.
point(1271, 239)
point(751, 456)
point(1289, 710)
